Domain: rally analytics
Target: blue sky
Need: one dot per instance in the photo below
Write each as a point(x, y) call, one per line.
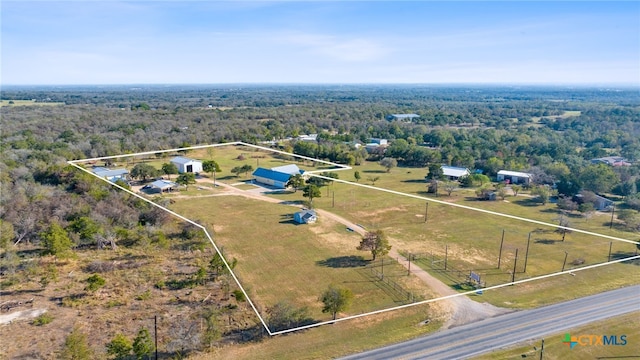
point(160, 42)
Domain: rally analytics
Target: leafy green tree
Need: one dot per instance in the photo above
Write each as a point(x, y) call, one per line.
point(76, 347)
point(376, 242)
point(599, 178)
point(357, 176)
point(56, 240)
point(246, 168)
point(211, 167)
point(388, 163)
point(170, 169)
point(435, 172)
point(143, 172)
point(296, 182)
point(186, 179)
point(143, 345)
point(542, 192)
point(85, 227)
point(311, 192)
point(373, 179)
point(336, 299)
point(516, 189)
point(119, 347)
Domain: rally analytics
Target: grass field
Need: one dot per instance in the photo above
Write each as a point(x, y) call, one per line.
point(28, 103)
point(555, 349)
point(280, 260)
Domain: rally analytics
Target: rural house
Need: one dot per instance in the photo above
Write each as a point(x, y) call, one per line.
point(454, 173)
point(402, 117)
point(514, 177)
point(186, 165)
point(111, 175)
point(611, 161)
point(305, 217)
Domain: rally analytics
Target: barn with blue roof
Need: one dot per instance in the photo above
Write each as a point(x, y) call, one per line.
point(277, 176)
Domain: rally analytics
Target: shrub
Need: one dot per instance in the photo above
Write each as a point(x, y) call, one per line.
point(43, 319)
point(95, 282)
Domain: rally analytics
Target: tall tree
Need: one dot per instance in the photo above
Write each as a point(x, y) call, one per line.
point(143, 171)
point(186, 179)
point(336, 299)
point(599, 178)
point(169, 169)
point(311, 191)
point(435, 172)
point(56, 240)
point(211, 167)
point(375, 242)
point(296, 182)
point(388, 163)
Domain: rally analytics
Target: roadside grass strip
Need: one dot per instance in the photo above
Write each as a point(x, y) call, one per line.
point(339, 167)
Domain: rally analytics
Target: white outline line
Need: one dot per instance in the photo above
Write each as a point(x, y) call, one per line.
point(340, 168)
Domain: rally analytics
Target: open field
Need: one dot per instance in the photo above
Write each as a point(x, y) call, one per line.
point(28, 103)
point(555, 349)
point(280, 260)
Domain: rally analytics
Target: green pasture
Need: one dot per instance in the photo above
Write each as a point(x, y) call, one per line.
point(555, 349)
point(280, 260)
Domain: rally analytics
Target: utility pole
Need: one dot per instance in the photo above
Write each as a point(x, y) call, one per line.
point(500, 253)
point(155, 332)
point(542, 349)
point(565, 260)
point(446, 252)
point(613, 211)
point(409, 268)
point(610, 244)
point(526, 254)
point(426, 211)
point(515, 262)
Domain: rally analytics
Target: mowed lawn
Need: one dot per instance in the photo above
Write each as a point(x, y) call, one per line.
point(279, 260)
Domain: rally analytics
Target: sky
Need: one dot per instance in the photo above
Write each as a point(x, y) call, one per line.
point(337, 42)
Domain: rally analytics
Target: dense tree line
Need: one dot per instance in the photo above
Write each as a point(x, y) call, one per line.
point(480, 128)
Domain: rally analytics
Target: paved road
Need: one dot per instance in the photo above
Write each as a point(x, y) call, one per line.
point(510, 329)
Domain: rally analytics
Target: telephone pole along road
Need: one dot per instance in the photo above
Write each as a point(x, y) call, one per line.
point(506, 330)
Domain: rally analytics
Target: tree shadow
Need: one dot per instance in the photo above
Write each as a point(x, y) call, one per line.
point(344, 262)
point(415, 181)
point(547, 241)
point(619, 255)
point(527, 202)
point(374, 171)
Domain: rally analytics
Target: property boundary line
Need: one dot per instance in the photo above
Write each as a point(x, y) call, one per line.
point(74, 163)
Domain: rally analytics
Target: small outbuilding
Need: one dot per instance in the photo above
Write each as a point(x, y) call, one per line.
point(186, 165)
point(111, 175)
point(163, 185)
point(305, 217)
point(454, 173)
point(514, 177)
